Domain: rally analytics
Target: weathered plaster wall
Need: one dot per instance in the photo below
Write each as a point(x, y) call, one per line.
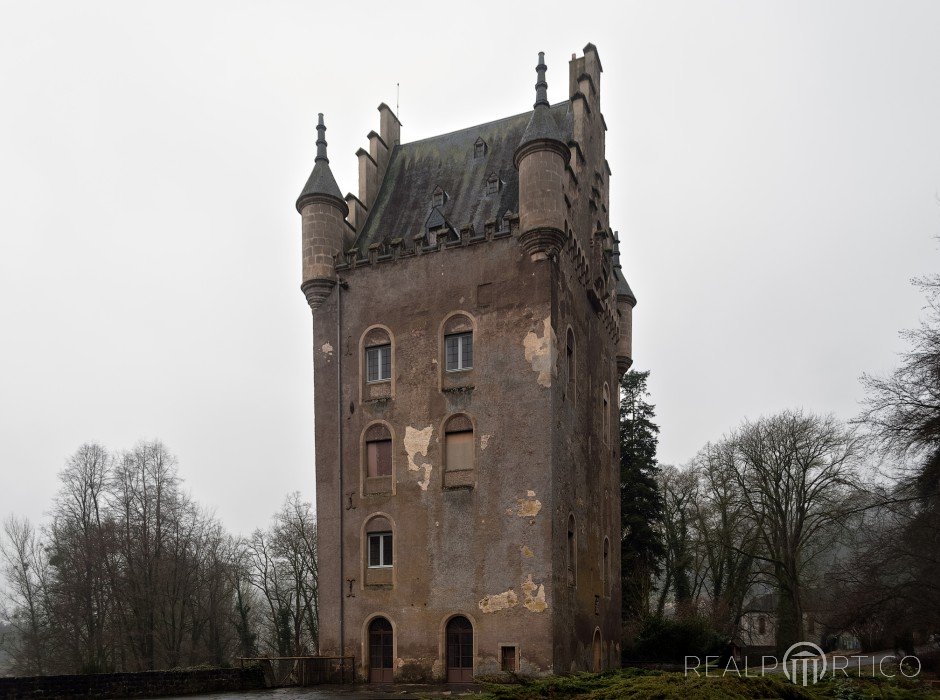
point(482, 551)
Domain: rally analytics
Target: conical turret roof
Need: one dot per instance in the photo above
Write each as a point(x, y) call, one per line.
point(321, 181)
point(542, 126)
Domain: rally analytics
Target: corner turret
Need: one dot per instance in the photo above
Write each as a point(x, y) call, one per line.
point(625, 303)
point(541, 158)
point(324, 212)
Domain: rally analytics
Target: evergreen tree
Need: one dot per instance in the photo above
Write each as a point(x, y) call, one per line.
point(641, 503)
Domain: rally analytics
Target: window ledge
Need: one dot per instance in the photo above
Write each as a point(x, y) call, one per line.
point(378, 486)
point(377, 391)
point(459, 479)
point(379, 577)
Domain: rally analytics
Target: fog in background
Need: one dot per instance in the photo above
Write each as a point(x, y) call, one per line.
point(775, 178)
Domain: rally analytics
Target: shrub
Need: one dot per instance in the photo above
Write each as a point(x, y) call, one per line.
point(671, 640)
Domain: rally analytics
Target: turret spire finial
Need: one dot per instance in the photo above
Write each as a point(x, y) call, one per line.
point(541, 87)
point(321, 140)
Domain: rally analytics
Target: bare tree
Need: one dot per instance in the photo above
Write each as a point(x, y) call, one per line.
point(679, 489)
point(25, 567)
point(78, 545)
point(726, 534)
point(796, 477)
point(283, 566)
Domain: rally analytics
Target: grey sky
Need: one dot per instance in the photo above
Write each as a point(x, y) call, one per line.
point(775, 170)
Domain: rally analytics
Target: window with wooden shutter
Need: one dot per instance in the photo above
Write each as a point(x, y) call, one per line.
point(379, 455)
point(459, 451)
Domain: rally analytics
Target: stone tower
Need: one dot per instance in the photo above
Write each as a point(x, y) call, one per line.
point(470, 325)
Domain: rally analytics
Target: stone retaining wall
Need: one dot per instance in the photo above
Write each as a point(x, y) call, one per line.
point(121, 685)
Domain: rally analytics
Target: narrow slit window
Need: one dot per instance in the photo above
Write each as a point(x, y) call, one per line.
point(379, 363)
point(380, 550)
point(459, 351)
point(379, 454)
point(572, 553)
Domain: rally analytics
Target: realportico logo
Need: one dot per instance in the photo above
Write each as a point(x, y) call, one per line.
point(804, 664)
point(804, 667)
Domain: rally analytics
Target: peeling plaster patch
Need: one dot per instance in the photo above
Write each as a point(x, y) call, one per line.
point(540, 353)
point(400, 662)
point(528, 507)
point(484, 441)
point(499, 601)
point(327, 348)
point(534, 595)
point(416, 443)
point(526, 552)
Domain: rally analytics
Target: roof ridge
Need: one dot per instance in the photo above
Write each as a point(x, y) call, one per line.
point(479, 126)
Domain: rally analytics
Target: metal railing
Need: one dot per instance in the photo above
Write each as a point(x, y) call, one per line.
point(282, 671)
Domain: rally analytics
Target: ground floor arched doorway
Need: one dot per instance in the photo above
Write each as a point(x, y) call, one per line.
point(459, 650)
point(381, 655)
point(598, 649)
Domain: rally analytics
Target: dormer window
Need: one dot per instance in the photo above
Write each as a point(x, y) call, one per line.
point(492, 184)
point(479, 148)
point(438, 197)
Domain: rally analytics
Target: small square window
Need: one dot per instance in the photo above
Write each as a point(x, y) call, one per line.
point(379, 363)
point(380, 550)
point(459, 351)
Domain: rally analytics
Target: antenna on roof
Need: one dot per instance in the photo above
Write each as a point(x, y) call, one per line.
point(397, 95)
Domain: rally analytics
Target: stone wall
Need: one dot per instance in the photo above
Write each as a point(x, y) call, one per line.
point(122, 685)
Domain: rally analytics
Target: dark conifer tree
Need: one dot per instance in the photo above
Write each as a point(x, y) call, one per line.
point(641, 505)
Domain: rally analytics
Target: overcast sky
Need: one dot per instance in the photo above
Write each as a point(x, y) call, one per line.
point(775, 178)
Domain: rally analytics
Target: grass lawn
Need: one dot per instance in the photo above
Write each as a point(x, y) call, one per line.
point(642, 684)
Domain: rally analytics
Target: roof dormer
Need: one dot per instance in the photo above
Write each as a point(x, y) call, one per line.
point(479, 148)
point(493, 183)
point(438, 197)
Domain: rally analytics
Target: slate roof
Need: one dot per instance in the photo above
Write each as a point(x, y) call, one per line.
point(321, 181)
point(403, 205)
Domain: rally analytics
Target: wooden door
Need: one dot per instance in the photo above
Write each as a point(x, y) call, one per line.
point(459, 651)
point(381, 658)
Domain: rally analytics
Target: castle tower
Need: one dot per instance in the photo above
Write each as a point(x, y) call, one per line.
point(471, 322)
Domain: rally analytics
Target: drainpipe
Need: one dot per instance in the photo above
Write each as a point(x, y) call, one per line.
point(339, 454)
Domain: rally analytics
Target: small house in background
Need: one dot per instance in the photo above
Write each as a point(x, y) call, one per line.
point(757, 631)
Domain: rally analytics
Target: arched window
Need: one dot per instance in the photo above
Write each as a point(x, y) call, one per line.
point(457, 352)
point(572, 553)
point(605, 421)
point(570, 369)
point(378, 551)
point(606, 565)
point(377, 363)
point(381, 651)
point(458, 344)
point(377, 460)
point(459, 451)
